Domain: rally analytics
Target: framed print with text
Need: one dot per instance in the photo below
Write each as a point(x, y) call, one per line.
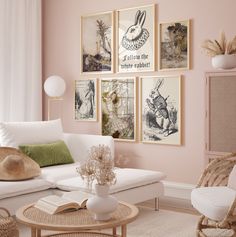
point(136, 39)
point(97, 43)
point(174, 48)
point(118, 108)
point(86, 100)
point(161, 109)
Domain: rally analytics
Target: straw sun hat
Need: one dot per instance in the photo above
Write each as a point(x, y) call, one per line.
point(14, 165)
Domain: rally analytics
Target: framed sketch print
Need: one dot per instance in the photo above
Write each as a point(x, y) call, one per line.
point(118, 108)
point(161, 110)
point(86, 100)
point(97, 43)
point(174, 45)
point(136, 39)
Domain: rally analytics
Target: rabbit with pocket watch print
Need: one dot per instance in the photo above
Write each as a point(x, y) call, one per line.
point(158, 115)
point(136, 36)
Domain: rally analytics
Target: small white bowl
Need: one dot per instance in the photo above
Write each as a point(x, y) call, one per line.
point(224, 61)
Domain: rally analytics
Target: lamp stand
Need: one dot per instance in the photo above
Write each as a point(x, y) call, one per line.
point(55, 108)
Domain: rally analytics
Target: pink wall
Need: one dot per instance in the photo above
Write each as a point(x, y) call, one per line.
point(61, 56)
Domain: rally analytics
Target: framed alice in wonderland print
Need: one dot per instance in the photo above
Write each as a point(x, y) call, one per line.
point(97, 43)
point(118, 108)
point(86, 100)
point(174, 48)
point(136, 39)
point(161, 110)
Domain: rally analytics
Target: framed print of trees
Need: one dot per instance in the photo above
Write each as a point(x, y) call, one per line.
point(136, 39)
point(86, 100)
point(174, 49)
point(161, 110)
point(97, 43)
point(118, 108)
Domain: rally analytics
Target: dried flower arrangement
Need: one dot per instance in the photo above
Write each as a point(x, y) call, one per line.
point(215, 47)
point(99, 166)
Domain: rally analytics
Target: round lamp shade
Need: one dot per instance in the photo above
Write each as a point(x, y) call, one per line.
point(54, 86)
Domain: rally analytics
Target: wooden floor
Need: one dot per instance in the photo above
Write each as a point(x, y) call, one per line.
point(171, 206)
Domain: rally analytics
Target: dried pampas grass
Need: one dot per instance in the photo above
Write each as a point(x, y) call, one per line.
point(214, 47)
point(99, 166)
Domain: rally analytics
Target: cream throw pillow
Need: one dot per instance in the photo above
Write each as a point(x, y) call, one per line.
point(13, 134)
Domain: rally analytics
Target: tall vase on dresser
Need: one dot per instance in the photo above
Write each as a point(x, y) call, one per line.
point(99, 166)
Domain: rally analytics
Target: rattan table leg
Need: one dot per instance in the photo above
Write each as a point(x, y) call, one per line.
point(114, 231)
point(123, 231)
point(38, 233)
point(33, 232)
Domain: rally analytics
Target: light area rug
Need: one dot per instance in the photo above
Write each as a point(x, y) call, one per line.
point(162, 223)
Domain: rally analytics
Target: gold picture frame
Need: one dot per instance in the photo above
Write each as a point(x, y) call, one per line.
point(136, 39)
point(160, 113)
point(118, 110)
point(97, 43)
point(86, 100)
point(174, 45)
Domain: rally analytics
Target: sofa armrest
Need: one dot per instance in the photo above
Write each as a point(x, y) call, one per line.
point(79, 144)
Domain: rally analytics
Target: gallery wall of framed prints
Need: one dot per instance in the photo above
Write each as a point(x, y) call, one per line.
point(132, 41)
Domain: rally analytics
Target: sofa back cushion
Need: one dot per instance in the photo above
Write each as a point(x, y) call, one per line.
point(232, 179)
point(80, 144)
point(13, 134)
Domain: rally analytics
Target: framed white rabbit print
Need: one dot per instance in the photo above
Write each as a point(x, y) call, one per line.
point(136, 39)
point(97, 43)
point(160, 113)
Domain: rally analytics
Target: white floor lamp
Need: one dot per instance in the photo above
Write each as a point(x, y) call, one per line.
point(54, 87)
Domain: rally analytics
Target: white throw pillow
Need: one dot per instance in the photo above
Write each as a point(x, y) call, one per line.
point(232, 179)
point(14, 134)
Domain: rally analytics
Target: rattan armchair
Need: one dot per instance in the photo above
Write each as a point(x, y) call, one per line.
point(217, 174)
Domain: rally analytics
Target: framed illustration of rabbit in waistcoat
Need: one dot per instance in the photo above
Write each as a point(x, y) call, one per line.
point(136, 39)
point(160, 113)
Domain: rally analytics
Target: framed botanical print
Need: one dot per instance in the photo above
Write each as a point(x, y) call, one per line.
point(174, 48)
point(118, 108)
point(136, 39)
point(97, 43)
point(86, 100)
point(161, 109)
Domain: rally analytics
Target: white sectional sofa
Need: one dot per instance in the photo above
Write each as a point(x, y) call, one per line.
point(133, 185)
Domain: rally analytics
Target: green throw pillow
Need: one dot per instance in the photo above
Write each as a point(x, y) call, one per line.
point(48, 154)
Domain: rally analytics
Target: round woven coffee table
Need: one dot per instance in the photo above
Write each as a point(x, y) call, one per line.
point(80, 223)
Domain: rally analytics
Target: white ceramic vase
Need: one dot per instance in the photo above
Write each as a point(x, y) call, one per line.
point(102, 204)
point(224, 61)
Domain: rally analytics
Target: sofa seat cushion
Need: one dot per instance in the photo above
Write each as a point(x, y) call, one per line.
point(11, 189)
point(59, 172)
point(213, 202)
point(126, 179)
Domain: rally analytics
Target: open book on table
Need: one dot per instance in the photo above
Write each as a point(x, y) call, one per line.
point(53, 204)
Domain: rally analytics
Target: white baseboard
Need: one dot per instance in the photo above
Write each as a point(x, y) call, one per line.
point(178, 190)
point(177, 195)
